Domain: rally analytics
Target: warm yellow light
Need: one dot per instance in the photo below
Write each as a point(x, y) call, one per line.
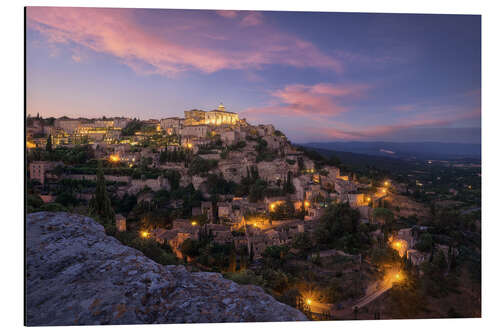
point(397, 244)
point(114, 158)
point(309, 301)
point(384, 190)
point(194, 223)
point(306, 204)
point(386, 183)
point(190, 145)
point(368, 199)
point(144, 234)
point(272, 206)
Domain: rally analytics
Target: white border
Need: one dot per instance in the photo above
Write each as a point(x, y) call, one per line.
point(11, 296)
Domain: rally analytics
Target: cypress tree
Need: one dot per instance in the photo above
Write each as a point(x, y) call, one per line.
point(251, 253)
point(232, 262)
point(100, 204)
point(48, 146)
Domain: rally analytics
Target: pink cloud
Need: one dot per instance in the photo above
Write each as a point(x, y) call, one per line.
point(370, 132)
point(182, 46)
point(323, 99)
point(252, 19)
point(227, 13)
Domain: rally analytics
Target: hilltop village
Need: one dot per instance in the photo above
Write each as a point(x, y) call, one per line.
point(214, 192)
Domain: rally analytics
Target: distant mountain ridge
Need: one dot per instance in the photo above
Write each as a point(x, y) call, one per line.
point(425, 150)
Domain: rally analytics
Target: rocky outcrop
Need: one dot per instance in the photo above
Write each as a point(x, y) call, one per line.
point(76, 275)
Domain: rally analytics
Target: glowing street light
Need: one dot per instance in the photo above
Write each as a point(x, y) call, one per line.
point(190, 145)
point(114, 158)
point(307, 204)
point(309, 301)
point(398, 277)
point(272, 207)
point(144, 234)
point(386, 183)
point(193, 223)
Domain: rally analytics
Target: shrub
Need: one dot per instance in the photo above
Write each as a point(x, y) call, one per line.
point(201, 166)
point(53, 207)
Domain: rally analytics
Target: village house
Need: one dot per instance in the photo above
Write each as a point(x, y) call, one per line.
point(408, 235)
point(172, 125)
point(197, 131)
point(39, 169)
point(206, 208)
point(357, 200)
point(416, 257)
point(121, 223)
point(230, 137)
point(265, 130)
point(224, 209)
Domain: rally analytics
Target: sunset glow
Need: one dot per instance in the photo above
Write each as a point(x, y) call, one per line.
point(316, 83)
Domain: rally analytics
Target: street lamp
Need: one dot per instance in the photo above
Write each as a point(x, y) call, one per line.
point(114, 158)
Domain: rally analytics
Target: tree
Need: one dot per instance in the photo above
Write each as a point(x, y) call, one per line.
point(48, 146)
point(283, 211)
point(383, 214)
point(425, 243)
point(190, 248)
point(302, 242)
point(339, 227)
point(288, 186)
point(232, 262)
point(100, 204)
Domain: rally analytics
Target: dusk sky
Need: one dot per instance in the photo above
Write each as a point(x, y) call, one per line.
point(315, 76)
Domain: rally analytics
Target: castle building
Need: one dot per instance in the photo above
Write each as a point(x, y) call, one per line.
point(68, 125)
point(216, 117)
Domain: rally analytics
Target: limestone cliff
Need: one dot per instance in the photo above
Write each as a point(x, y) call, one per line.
point(76, 275)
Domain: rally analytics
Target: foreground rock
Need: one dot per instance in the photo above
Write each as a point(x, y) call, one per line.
point(76, 275)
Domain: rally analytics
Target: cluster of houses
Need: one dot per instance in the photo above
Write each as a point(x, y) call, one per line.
point(314, 189)
point(404, 242)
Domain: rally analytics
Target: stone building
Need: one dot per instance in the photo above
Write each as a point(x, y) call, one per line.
point(172, 125)
point(224, 209)
point(198, 131)
point(230, 137)
point(38, 170)
point(357, 200)
point(67, 125)
point(121, 223)
point(264, 130)
point(216, 117)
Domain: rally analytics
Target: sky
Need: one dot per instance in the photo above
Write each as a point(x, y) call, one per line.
point(315, 76)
